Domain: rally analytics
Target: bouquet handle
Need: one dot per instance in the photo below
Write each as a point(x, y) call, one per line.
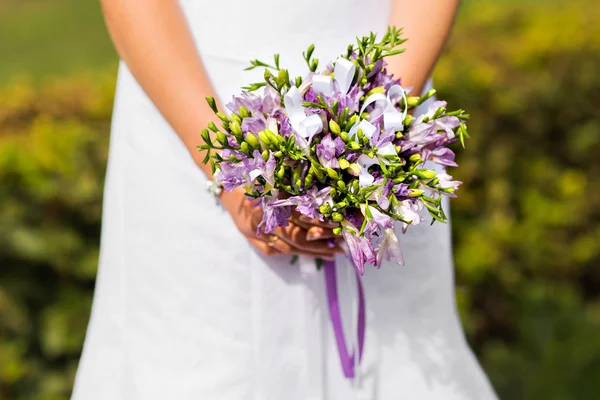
point(347, 359)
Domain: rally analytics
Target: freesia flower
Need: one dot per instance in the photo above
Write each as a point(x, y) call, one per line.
point(360, 248)
point(308, 203)
point(389, 249)
point(446, 182)
point(328, 151)
point(273, 216)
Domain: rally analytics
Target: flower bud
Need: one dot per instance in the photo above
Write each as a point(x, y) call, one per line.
point(262, 135)
point(281, 172)
point(344, 136)
point(296, 172)
point(273, 137)
point(415, 193)
point(278, 153)
point(334, 127)
point(213, 127)
point(332, 192)
point(299, 183)
point(439, 112)
point(415, 157)
point(343, 163)
point(244, 147)
point(314, 65)
point(212, 103)
point(206, 136)
point(413, 101)
point(332, 174)
point(424, 173)
point(378, 89)
point(354, 145)
point(430, 93)
point(281, 77)
point(308, 180)
point(244, 113)
point(316, 172)
point(337, 230)
point(408, 120)
point(340, 205)
point(337, 217)
point(398, 149)
point(236, 118)
point(351, 121)
point(267, 75)
point(341, 184)
point(353, 169)
point(399, 179)
point(221, 138)
point(252, 140)
point(325, 209)
point(265, 155)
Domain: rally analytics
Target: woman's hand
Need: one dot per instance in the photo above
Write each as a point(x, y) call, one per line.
point(301, 237)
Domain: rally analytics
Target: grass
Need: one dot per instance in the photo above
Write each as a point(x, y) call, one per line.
point(52, 37)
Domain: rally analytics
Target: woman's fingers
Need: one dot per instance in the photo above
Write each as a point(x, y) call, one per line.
point(295, 236)
point(282, 247)
point(263, 246)
point(313, 221)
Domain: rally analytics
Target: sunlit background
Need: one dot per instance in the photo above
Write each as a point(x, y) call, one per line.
point(526, 223)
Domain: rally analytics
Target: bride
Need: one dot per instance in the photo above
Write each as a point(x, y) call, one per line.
point(189, 303)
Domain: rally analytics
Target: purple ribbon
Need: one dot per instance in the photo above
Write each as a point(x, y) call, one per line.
point(347, 359)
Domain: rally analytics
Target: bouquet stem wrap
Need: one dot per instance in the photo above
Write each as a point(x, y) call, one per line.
point(348, 359)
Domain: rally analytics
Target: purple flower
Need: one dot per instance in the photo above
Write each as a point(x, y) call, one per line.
point(389, 249)
point(409, 211)
point(447, 183)
point(249, 100)
point(381, 195)
point(268, 102)
point(253, 125)
point(400, 190)
point(426, 133)
point(308, 204)
point(273, 216)
point(258, 167)
point(377, 221)
point(441, 155)
point(360, 248)
point(232, 175)
point(328, 151)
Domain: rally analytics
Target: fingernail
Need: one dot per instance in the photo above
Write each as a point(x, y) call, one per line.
point(310, 236)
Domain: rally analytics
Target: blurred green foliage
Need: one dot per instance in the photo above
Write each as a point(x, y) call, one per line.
point(53, 142)
point(526, 223)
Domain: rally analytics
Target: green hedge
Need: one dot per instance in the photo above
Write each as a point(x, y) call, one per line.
point(526, 225)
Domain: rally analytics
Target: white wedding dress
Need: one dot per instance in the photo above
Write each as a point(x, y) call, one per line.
point(185, 308)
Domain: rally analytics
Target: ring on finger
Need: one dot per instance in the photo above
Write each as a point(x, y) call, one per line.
point(272, 240)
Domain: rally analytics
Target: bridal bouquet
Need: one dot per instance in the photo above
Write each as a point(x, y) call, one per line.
point(339, 144)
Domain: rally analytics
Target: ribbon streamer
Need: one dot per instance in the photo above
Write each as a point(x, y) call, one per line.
point(305, 126)
point(392, 118)
point(347, 359)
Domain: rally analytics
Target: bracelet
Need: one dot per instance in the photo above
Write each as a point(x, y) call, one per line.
point(214, 188)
